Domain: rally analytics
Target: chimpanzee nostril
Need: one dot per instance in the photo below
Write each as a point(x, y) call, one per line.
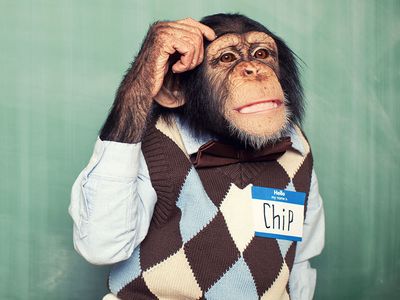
point(250, 69)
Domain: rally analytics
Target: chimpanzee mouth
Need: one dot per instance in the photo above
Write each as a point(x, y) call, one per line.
point(259, 106)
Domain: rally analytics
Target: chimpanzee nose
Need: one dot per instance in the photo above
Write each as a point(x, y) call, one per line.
point(250, 69)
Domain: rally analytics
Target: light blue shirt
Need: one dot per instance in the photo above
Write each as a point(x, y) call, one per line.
point(112, 203)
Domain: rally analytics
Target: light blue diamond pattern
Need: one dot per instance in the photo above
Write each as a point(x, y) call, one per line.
point(290, 186)
point(237, 283)
point(124, 272)
point(196, 207)
point(284, 246)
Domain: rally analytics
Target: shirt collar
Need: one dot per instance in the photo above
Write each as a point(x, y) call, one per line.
point(297, 142)
point(192, 143)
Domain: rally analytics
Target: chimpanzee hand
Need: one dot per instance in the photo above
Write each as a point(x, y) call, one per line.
point(144, 80)
point(167, 38)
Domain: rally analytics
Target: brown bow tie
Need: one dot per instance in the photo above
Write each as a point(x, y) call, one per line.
point(216, 154)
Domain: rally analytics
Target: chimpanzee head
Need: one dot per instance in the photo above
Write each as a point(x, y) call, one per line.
point(246, 91)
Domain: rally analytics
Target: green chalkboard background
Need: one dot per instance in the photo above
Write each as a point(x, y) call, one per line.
point(61, 62)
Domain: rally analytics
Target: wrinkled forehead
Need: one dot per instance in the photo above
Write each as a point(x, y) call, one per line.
point(240, 40)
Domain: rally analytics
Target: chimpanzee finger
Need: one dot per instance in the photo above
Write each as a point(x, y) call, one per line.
point(205, 30)
point(187, 52)
point(190, 34)
point(201, 53)
point(172, 33)
point(197, 50)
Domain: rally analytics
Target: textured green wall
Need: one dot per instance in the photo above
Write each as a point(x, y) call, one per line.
point(61, 62)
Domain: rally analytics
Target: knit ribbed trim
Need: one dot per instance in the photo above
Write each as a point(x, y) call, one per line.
point(168, 167)
point(159, 170)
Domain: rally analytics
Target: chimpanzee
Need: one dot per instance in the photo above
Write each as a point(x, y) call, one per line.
point(201, 184)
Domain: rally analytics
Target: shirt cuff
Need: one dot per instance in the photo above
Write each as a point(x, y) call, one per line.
point(114, 159)
point(302, 281)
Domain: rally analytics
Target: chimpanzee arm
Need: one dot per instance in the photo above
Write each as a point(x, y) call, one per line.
point(126, 120)
point(144, 79)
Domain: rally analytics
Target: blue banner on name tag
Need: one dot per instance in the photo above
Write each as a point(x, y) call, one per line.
point(278, 214)
point(264, 193)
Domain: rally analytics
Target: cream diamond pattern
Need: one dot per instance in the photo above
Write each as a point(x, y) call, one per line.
point(172, 132)
point(278, 289)
point(237, 211)
point(291, 161)
point(173, 279)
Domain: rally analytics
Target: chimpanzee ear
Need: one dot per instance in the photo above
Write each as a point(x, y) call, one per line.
point(170, 94)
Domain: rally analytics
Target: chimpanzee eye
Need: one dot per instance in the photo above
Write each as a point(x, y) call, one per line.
point(261, 54)
point(227, 57)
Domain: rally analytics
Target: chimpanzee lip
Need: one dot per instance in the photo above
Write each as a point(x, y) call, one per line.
point(258, 106)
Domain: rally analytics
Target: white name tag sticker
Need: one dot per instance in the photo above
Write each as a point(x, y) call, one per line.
point(278, 214)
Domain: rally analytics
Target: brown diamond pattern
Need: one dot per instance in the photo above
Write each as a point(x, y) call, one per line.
point(273, 176)
point(161, 242)
point(215, 184)
point(304, 172)
point(264, 260)
point(211, 252)
point(137, 289)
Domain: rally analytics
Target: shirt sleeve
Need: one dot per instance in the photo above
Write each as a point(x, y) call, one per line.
point(112, 202)
point(303, 278)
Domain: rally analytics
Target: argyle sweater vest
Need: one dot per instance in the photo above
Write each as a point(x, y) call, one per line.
point(201, 242)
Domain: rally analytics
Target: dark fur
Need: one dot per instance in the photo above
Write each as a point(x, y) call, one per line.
point(129, 113)
point(205, 98)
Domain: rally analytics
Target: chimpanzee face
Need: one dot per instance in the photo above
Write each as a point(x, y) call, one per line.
point(245, 66)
